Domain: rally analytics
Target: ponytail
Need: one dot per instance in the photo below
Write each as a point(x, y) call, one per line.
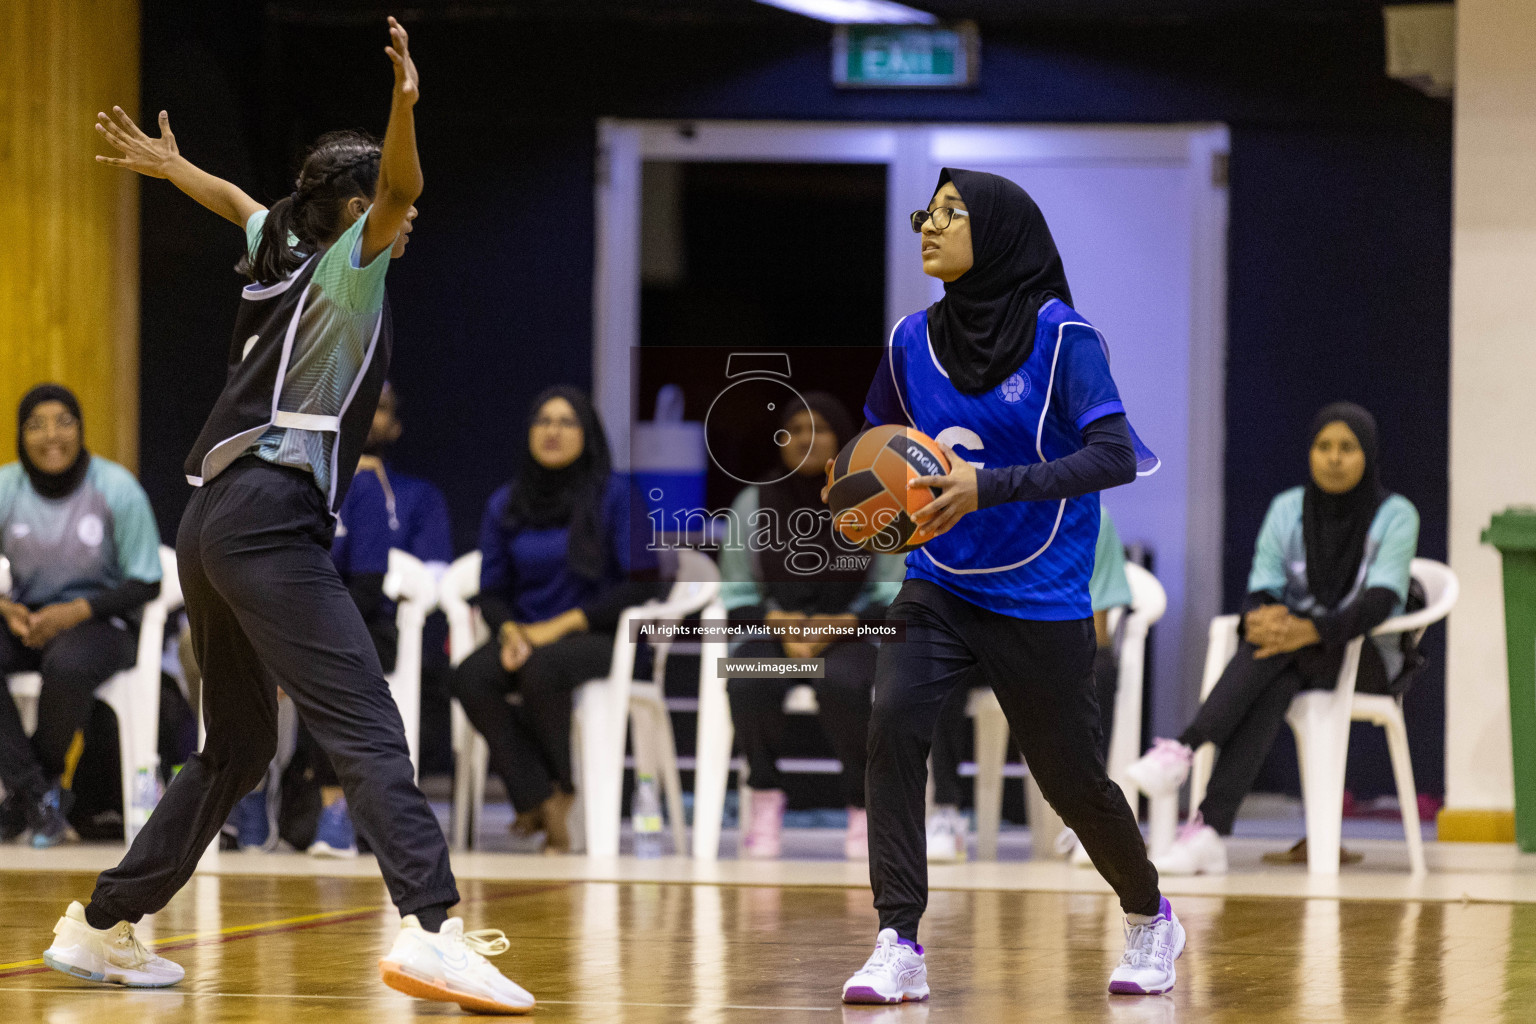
point(339, 167)
point(275, 257)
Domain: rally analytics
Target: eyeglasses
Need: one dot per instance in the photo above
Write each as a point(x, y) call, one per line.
point(37, 424)
point(941, 218)
point(556, 423)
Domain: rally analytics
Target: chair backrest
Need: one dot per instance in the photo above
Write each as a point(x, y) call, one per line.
point(458, 586)
point(697, 583)
point(1149, 601)
point(170, 581)
point(698, 579)
point(1221, 644)
point(1441, 589)
point(409, 580)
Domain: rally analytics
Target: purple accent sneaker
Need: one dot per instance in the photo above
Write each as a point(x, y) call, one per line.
point(1151, 947)
point(894, 973)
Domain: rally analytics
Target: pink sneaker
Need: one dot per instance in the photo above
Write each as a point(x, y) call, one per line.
point(1163, 769)
point(856, 842)
point(764, 836)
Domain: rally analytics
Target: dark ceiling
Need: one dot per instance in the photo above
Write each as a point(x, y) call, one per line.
point(984, 11)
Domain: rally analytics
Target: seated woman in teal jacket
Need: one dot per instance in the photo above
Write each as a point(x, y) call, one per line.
point(1332, 563)
point(84, 557)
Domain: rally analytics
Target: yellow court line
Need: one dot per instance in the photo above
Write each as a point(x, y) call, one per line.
point(236, 930)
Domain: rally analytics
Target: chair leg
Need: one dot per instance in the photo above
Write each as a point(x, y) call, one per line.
point(1045, 825)
point(712, 769)
point(605, 720)
point(578, 817)
point(479, 767)
point(671, 779)
point(991, 752)
point(1313, 719)
point(1407, 792)
point(458, 817)
point(1163, 822)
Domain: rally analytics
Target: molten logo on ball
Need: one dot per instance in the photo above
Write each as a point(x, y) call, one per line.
point(869, 497)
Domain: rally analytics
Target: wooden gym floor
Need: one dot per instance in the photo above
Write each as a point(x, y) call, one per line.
point(281, 949)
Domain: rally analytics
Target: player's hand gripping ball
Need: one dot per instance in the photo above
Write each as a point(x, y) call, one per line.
point(868, 493)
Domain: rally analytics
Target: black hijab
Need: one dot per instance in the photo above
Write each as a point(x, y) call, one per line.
point(570, 496)
point(830, 591)
point(984, 327)
point(52, 485)
point(1334, 527)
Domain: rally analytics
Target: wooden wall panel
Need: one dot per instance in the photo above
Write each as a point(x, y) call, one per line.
point(68, 225)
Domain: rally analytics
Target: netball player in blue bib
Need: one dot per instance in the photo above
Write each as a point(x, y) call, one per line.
point(266, 606)
point(1016, 383)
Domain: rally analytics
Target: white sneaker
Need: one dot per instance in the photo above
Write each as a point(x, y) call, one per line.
point(1197, 851)
point(894, 973)
point(1146, 969)
point(947, 829)
point(113, 955)
point(449, 967)
point(1163, 769)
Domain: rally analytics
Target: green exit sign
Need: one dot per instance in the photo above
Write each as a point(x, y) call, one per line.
point(905, 56)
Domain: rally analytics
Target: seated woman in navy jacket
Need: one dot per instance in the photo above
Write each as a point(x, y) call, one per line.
point(565, 550)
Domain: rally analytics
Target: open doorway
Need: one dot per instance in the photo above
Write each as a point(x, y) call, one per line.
point(739, 258)
point(1139, 214)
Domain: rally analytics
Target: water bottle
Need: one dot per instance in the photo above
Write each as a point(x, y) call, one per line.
point(645, 816)
point(146, 793)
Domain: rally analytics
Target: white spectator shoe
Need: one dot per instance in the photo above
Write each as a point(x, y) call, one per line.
point(113, 955)
point(450, 967)
point(947, 830)
point(1146, 968)
point(1163, 769)
point(1198, 850)
point(894, 973)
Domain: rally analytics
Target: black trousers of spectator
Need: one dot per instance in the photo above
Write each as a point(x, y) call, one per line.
point(952, 736)
point(1042, 673)
point(267, 610)
point(72, 665)
point(842, 694)
point(530, 743)
point(1244, 711)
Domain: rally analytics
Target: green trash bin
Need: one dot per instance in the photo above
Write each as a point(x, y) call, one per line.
point(1513, 532)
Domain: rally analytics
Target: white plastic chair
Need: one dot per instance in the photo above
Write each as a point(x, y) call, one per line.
point(1321, 719)
point(412, 586)
point(133, 694)
point(604, 708)
point(1149, 601)
point(467, 632)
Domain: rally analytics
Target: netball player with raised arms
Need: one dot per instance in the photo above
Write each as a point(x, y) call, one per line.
point(267, 609)
point(1017, 384)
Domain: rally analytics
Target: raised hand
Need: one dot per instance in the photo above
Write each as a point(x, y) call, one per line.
point(407, 85)
point(153, 158)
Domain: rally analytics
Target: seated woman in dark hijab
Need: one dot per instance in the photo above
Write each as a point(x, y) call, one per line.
point(565, 549)
point(1332, 563)
point(84, 555)
point(761, 581)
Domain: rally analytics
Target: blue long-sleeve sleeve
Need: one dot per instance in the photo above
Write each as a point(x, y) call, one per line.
point(1107, 459)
